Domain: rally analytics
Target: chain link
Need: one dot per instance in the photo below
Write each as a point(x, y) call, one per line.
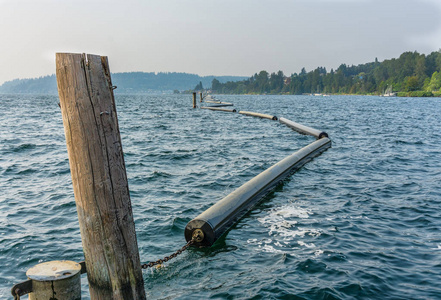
point(167, 258)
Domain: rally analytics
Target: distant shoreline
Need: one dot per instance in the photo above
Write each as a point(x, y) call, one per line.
point(159, 93)
point(128, 82)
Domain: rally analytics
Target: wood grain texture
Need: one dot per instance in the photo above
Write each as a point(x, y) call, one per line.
point(99, 177)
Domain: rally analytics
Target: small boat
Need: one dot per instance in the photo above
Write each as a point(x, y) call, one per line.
point(388, 92)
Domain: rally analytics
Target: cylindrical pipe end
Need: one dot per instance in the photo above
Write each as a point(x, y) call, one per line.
point(208, 234)
point(322, 135)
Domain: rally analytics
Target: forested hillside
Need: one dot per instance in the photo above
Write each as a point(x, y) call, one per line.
point(136, 82)
point(41, 85)
point(131, 82)
point(411, 74)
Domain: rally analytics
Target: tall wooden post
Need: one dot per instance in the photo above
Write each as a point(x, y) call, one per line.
point(200, 95)
point(194, 99)
point(99, 177)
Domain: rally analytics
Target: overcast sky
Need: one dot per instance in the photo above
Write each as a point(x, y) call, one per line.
point(213, 37)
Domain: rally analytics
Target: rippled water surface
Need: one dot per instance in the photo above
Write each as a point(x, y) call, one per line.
point(361, 221)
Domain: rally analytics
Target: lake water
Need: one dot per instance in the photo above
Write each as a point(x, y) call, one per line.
point(361, 221)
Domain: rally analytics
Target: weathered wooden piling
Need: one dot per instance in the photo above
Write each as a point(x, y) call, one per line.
point(194, 99)
point(99, 177)
point(202, 98)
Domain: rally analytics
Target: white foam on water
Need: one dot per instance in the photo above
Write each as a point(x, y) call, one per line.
point(301, 243)
point(438, 247)
point(264, 245)
point(282, 223)
point(318, 253)
point(278, 244)
point(269, 248)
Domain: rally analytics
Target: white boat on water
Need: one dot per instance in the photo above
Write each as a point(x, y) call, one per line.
point(388, 92)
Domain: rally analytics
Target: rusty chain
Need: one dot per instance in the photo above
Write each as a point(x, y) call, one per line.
point(167, 258)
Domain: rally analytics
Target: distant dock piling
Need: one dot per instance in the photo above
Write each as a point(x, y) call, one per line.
point(194, 99)
point(99, 177)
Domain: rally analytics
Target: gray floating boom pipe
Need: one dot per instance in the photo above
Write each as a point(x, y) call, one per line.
point(215, 221)
point(259, 115)
point(221, 105)
point(303, 129)
point(218, 108)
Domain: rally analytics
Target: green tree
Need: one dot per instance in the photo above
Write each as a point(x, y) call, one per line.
point(438, 60)
point(215, 85)
point(420, 68)
point(199, 86)
point(316, 81)
point(434, 83)
point(411, 84)
point(276, 82)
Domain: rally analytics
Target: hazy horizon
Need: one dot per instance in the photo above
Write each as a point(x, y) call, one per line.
point(214, 38)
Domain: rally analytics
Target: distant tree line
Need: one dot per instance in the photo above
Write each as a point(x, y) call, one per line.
point(130, 82)
point(411, 74)
point(41, 85)
point(138, 82)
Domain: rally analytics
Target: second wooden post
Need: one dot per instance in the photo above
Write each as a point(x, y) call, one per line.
point(99, 177)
